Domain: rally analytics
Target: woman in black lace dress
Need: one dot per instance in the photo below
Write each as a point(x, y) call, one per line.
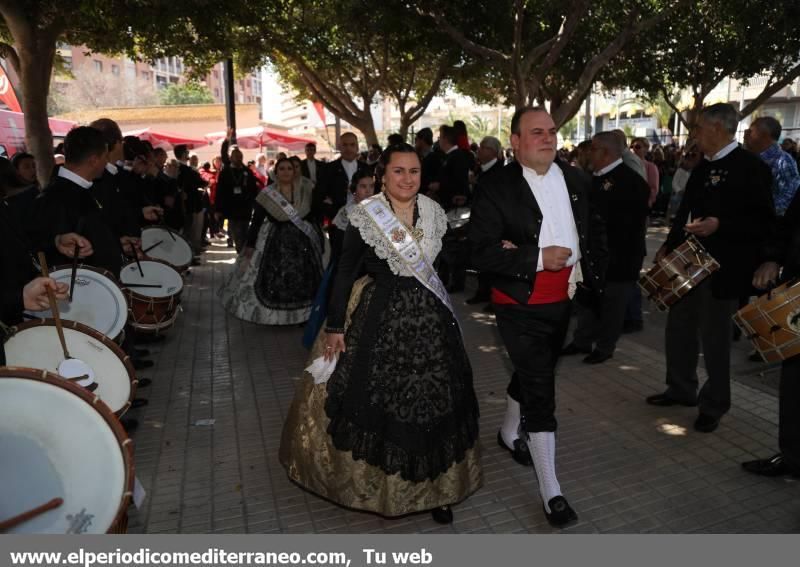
point(278, 273)
point(395, 428)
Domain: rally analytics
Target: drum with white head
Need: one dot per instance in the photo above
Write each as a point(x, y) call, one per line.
point(97, 300)
point(165, 244)
point(35, 345)
point(58, 441)
point(153, 289)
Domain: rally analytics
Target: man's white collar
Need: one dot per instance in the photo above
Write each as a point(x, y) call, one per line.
point(608, 168)
point(74, 177)
point(724, 151)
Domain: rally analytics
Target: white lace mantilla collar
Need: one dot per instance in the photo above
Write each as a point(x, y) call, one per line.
point(432, 220)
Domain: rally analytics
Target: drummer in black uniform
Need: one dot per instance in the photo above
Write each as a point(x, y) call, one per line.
point(729, 200)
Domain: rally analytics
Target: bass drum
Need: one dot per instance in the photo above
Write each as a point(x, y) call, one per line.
point(165, 244)
point(59, 441)
point(97, 301)
point(35, 345)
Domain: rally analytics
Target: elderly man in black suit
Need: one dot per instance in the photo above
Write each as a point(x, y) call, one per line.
point(531, 229)
point(620, 195)
point(728, 206)
point(490, 160)
point(311, 167)
point(331, 192)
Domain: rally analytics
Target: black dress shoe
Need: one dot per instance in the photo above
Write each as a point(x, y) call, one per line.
point(442, 515)
point(597, 357)
point(572, 348)
point(141, 364)
point(775, 466)
point(140, 352)
point(755, 357)
point(148, 339)
point(561, 514)
point(129, 424)
point(138, 403)
point(144, 382)
point(663, 400)
point(706, 423)
point(475, 299)
point(520, 453)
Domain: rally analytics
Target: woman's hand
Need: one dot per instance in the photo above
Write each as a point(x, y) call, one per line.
point(334, 344)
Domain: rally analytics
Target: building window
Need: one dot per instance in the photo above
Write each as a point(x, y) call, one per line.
point(216, 94)
point(98, 66)
point(215, 74)
point(67, 62)
point(115, 70)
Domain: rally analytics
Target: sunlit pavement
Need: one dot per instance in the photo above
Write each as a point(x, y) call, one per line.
point(206, 448)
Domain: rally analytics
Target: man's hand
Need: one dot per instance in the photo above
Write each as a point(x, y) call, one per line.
point(554, 258)
point(459, 200)
point(508, 245)
point(169, 201)
point(703, 227)
point(131, 246)
point(433, 186)
point(34, 294)
point(152, 213)
point(766, 274)
point(65, 244)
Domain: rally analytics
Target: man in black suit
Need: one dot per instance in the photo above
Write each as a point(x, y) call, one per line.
point(191, 186)
point(728, 206)
point(311, 167)
point(490, 160)
point(620, 195)
point(531, 224)
point(782, 250)
point(332, 192)
point(430, 159)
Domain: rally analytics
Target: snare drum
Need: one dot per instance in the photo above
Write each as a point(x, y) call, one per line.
point(165, 244)
point(97, 300)
point(59, 441)
point(772, 322)
point(678, 273)
point(35, 345)
point(152, 309)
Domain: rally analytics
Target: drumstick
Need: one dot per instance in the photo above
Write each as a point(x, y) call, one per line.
point(141, 285)
point(146, 250)
point(6, 525)
point(54, 305)
point(136, 259)
point(172, 236)
point(74, 273)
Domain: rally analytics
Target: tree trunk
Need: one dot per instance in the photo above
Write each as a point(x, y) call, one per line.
point(36, 67)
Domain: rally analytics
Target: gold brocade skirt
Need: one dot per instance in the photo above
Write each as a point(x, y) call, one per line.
point(312, 461)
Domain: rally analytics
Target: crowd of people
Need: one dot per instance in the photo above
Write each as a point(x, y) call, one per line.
point(385, 419)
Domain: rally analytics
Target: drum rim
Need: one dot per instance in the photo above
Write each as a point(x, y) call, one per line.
point(97, 335)
point(142, 297)
point(102, 272)
point(179, 267)
point(125, 442)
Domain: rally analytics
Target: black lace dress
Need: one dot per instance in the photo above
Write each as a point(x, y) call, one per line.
point(396, 428)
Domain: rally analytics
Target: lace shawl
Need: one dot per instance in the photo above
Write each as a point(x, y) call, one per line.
point(432, 220)
point(302, 201)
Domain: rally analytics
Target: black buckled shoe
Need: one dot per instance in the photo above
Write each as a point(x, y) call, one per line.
point(561, 514)
point(774, 466)
point(442, 515)
point(520, 453)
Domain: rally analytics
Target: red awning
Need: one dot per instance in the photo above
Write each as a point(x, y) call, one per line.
point(259, 136)
point(166, 140)
point(12, 130)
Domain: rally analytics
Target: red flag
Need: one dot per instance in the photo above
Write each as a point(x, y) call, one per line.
point(7, 94)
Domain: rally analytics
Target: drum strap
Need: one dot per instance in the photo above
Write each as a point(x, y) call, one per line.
point(294, 216)
point(406, 248)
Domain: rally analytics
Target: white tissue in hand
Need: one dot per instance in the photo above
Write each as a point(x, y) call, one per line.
point(322, 369)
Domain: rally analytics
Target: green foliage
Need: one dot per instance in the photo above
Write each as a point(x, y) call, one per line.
point(190, 92)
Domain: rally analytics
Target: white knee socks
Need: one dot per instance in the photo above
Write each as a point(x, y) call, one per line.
point(542, 446)
point(510, 429)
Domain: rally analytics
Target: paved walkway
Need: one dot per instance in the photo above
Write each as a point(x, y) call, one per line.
point(206, 449)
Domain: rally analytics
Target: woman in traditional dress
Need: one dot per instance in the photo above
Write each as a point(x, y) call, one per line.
point(394, 430)
point(362, 186)
point(278, 272)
